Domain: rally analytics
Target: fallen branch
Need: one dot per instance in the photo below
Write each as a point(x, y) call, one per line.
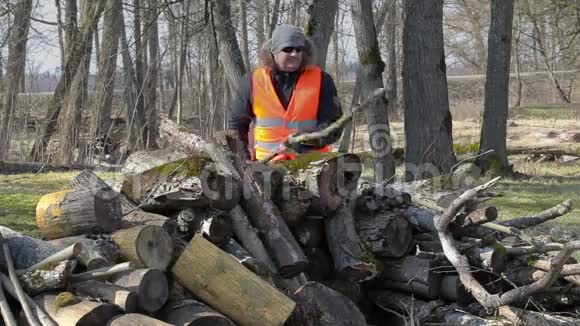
point(103, 272)
point(463, 268)
point(525, 317)
point(39, 312)
point(549, 214)
point(5, 310)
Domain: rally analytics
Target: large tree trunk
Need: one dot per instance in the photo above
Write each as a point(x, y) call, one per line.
point(391, 33)
point(14, 70)
point(494, 129)
point(139, 71)
point(244, 33)
point(229, 50)
point(429, 142)
point(107, 66)
point(320, 26)
point(77, 54)
point(372, 68)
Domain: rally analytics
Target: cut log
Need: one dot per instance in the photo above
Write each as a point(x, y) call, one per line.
point(378, 197)
point(131, 214)
point(453, 290)
point(351, 261)
point(107, 292)
point(319, 264)
point(310, 233)
point(219, 280)
point(104, 272)
point(141, 161)
point(422, 312)
point(193, 313)
point(40, 314)
point(525, 317)
point(145, 245)
point(213, 224)
point(66, 253)
point(140, 217)
point(26, 251)
point(421, 219)
point(412, 274)
point(42, 280)
point(150, 285)
point(95, 253)
point(332, 180)
point(75, 212)
point(265, 216)
point(293, 201)
point(386, 234)
point(236, 250)
point(249, 238)
point(136, 320)
point(66, 309)
point(332, 308)
point(478, 217)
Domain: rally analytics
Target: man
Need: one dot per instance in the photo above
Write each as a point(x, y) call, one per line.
point(285, 96)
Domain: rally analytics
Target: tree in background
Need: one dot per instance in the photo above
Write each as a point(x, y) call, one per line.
point(428, 122)
point(494, 129)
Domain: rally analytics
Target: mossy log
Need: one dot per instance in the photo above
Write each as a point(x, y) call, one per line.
point(131, 215)
point(107, 292)
point(352, 260)
point(412, 274)
point(145, 245)
point(66, 309)
point(141, 161)
point(192, 313)
point(42, 280)
point(387, 234)
point(150, 285)
point(219, 280)
point(136, 320)
point(75, 212)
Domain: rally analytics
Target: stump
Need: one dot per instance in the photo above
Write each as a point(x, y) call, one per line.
point(75, 212)
point(145, 245)
point(150, 285)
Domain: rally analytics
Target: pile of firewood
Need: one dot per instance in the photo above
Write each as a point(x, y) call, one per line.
point(196, 236)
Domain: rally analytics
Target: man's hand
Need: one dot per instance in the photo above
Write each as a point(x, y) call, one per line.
point(304, 146)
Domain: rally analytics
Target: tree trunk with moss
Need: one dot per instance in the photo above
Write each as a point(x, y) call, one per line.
point(320, 26)
point(14, 70)
point(372, 67)
point(429, 142)
point(494, 129)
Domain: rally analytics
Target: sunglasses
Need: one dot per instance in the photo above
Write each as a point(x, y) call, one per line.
point(291, 49)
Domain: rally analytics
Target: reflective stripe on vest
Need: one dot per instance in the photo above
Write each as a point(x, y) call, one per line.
point(273, 123)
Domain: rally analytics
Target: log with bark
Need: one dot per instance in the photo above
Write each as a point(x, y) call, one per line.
point(102, 291)
point(213, 224)
point(95, 253)
point(103, 272)
point(42, 280)
point(150, 285)
point(219, 280)
point(351, 259)
point(141, 161)
point(525, 317)
point(145, 245)
point(39, 313)
point(131, 214)
point(236, 250)
point(387, 234)
point(75, 212)
point(67, 309)
point(192, 313)
point(294, 201)
point(26, 251)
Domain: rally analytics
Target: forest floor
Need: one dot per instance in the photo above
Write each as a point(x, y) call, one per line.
point(550, 183)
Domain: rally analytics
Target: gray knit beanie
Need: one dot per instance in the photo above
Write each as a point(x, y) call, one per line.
point(286, 35)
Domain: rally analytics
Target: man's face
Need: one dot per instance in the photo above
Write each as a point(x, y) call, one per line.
point(289, 58)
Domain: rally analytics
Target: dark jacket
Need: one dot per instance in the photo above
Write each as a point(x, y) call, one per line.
point(241, 113)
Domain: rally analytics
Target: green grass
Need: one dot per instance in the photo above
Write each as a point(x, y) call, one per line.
point(20, 193)
point(545, 111)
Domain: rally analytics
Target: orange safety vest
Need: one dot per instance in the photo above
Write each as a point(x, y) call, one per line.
point(273, 123)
